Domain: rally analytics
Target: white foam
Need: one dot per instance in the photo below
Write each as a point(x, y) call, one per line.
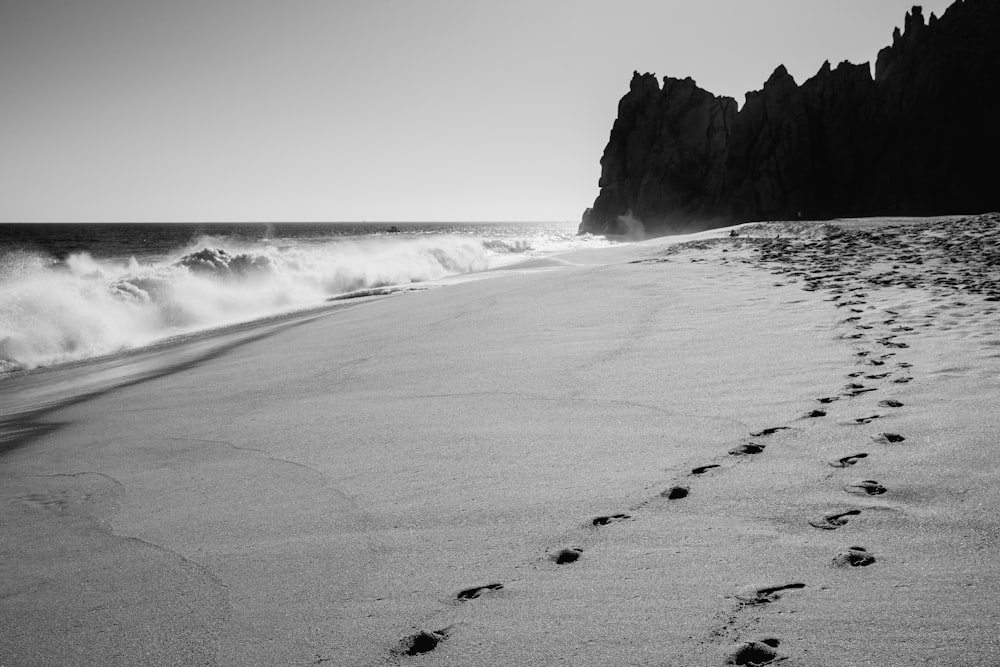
point(56, 312)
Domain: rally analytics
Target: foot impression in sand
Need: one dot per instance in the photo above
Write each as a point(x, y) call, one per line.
point(866, 487)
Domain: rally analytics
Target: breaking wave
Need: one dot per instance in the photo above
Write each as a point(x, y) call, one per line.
point(56, 311)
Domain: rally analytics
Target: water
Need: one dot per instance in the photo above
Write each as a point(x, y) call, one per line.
point(70, 292)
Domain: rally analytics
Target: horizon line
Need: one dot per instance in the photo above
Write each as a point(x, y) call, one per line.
point(276, 222)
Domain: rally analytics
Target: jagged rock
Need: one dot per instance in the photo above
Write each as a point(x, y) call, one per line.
point(920, 138)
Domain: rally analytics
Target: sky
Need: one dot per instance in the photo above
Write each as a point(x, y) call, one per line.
point(377, 110)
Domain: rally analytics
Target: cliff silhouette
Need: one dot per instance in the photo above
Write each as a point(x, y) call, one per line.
point(920, 138)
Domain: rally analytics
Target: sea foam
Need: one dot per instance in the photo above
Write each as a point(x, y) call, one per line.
point(57, 311)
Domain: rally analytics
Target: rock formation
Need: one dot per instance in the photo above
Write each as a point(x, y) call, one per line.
point(920, 138)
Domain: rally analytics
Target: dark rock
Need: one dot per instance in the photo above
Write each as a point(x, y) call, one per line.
point(920, 138)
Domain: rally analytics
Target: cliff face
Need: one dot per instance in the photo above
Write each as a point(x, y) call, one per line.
point(921, 138)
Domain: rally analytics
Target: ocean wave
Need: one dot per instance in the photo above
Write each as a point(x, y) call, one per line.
point(58, 311)
point(508, 246)
point(53, 312)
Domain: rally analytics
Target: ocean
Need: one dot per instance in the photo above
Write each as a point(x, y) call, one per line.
point(71, 292)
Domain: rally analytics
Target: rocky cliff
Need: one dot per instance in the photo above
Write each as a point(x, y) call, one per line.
point(920, 138)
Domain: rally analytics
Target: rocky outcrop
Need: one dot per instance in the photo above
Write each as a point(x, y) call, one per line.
point(920, 138)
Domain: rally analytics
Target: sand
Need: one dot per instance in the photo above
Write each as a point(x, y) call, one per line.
point(774, 447)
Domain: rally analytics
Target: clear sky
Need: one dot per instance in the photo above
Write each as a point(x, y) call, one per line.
point(379, 110)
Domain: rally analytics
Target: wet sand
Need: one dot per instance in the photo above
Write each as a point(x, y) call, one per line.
point(778, 446)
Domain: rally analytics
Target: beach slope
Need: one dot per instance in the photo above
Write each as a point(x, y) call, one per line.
point(776, 446)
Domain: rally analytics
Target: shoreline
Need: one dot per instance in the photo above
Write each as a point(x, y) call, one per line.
point(28, 394)
point(66, 304)
point(490, 473)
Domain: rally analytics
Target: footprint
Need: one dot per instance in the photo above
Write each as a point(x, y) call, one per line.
point(832, 521)
point(890, 403)
point(767, 595)
point(856, 389)
point(424, 641)
point(845, 461)
point(564, 556)
point(814, 413)
point(747, 448)
point(676, 492)
point(769, 431)
point(754, 654)
point(867, 420)
point(854, 557)
point(885, 438)
point(702, 469)
point(605, 520)
point(473, 593)
point(866, 486)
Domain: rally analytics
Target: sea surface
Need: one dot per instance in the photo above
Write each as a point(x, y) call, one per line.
point(70, 292)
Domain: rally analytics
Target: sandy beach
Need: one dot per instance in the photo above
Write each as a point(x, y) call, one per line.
point(776, 446)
